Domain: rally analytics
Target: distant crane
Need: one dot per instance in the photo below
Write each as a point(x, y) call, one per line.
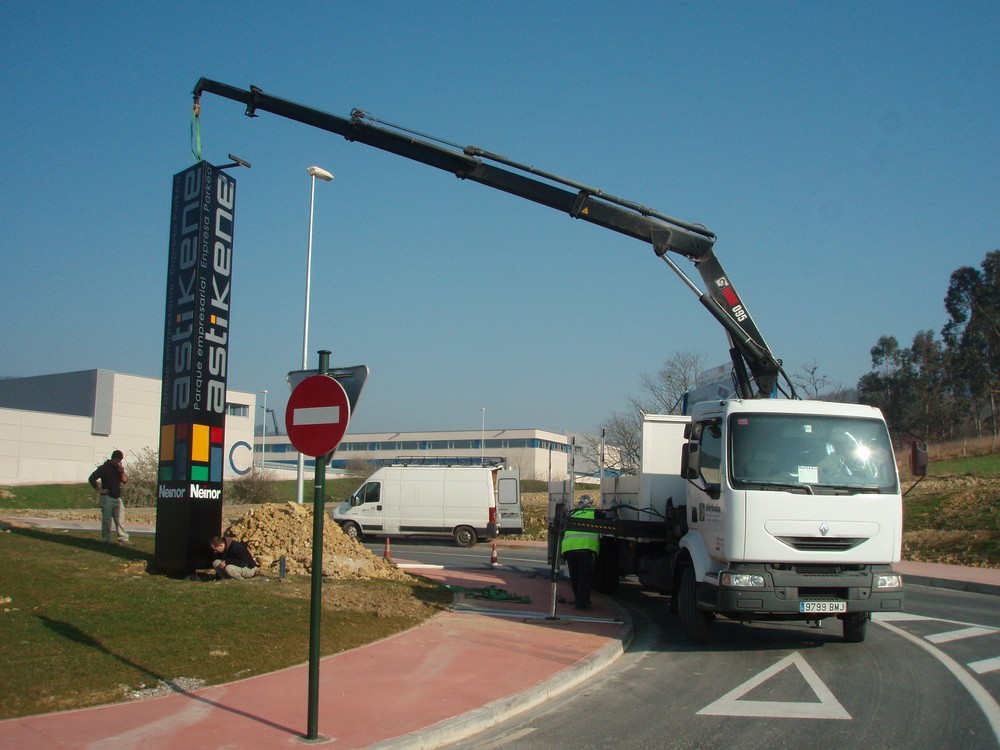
point(275, 420)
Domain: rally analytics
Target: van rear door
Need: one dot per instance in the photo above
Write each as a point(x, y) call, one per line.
point(509, 502)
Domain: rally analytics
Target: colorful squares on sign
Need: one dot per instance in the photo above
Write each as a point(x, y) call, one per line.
point(191, 452)
point(199, 443)
point(181, 460)
point(167, 443)
point(216, 463)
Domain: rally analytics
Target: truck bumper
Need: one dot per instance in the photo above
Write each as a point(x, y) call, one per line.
point(821, 588)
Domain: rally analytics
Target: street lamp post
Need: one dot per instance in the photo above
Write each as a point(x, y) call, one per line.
point(322, 174)
point(482, 441)
point(263, 431)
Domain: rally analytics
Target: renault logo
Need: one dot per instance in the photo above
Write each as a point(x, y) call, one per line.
point(824, 529)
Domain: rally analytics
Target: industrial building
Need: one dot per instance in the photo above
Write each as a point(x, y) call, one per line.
point(58, 428)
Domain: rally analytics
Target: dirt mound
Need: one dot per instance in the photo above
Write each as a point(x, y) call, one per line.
point(275, 530)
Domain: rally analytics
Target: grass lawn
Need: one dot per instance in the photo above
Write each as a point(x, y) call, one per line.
point(954, 515)
point(83, 624)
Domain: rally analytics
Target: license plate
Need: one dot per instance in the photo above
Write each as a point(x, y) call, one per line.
point(822, 607)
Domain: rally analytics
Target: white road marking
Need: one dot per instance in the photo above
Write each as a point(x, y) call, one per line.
point(899, 617)
point(316, 415)
point(979, 694)
point(957, 635)
point(828, 706)
point(985, 665)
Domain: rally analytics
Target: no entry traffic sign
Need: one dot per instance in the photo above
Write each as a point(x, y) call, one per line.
point(316, 416)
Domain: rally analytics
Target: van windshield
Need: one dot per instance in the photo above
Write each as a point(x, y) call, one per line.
point(811, 454)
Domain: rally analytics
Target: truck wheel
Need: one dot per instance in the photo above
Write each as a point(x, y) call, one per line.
point(352, 530)
point(855, 627)
point(465, 536)
point(693, 620)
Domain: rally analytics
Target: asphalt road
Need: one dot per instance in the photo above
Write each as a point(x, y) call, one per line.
point(926, 679)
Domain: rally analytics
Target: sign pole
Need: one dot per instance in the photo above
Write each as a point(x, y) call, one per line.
point(316, 606)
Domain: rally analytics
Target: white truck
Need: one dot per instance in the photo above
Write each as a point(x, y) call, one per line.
point(760, 510)
point(736, 542)
point(468, 503)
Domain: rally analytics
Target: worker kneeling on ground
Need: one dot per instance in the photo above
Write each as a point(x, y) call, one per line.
point(579, 549)
point(233, 558)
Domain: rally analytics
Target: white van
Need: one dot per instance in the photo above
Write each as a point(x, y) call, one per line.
point(469, 503)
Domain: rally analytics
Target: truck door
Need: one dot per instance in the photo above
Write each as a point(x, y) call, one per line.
point(509, 502)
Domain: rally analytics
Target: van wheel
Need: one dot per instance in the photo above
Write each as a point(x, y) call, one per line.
point(694, 621)
point(352, 530)
point(465, 536)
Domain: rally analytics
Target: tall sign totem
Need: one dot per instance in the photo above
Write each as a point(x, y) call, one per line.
point(195, 363)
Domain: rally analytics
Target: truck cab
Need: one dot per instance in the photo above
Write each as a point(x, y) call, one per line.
point(793, 511)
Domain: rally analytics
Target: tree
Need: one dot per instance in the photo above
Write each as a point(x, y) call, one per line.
point(972, 333)
point(623, 431)
point(910, 386)
point(664, 390)
point(661, 394)
point(932, 407)
point(142, 469)
point(811, 381)
point(888, 384)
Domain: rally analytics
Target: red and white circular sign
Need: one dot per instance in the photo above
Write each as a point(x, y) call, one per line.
point(317, 414)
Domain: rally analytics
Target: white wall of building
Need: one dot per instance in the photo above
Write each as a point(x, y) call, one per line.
point(43, 447)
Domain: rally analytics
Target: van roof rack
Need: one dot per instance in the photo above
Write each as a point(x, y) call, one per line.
point(491, 461)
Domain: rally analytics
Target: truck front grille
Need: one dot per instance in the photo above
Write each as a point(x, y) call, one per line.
point(821, 544)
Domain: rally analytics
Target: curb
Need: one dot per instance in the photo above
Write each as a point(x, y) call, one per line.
point(972, 587)
point(473, 722)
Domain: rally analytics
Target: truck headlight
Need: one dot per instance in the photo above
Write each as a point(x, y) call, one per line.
point(888, 581)
point(742, 580)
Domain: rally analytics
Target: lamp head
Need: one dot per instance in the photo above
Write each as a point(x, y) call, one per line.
point(319, 172)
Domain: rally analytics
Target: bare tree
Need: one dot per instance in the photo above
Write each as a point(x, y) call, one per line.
point(664, 390)
point(661, 394)
point(811, 380)
point(623, 433)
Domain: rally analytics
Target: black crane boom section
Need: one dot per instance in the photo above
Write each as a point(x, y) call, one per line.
point(666, 234)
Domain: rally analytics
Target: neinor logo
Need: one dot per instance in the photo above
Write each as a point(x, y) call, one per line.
point(197, 491)
point(204, 493)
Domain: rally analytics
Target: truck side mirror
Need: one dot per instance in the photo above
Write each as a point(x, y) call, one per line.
point(918, 458)
point(689, 461)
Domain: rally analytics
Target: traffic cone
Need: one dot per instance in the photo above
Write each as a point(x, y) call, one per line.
point(388, 551)
point(493, 556)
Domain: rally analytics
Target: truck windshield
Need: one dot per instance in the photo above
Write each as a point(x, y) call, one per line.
point(811, 454)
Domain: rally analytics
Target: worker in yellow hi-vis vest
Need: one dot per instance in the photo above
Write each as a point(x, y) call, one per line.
point(579, 549)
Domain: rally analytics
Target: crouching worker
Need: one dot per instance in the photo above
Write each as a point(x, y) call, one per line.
point(233, 558)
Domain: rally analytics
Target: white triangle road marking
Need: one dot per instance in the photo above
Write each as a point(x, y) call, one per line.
point(828, 707)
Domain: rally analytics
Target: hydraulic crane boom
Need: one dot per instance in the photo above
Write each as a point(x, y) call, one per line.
point(748, 349)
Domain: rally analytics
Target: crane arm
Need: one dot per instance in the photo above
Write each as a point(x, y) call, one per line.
point(666, 234)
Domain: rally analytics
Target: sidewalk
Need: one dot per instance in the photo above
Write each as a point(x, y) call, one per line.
point(447, 679)
point(956, 577)
point(462, 671)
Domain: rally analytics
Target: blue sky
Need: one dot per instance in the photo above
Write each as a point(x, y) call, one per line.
point(845, 154)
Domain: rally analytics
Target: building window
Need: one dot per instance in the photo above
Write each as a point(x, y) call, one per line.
point(238, 410)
